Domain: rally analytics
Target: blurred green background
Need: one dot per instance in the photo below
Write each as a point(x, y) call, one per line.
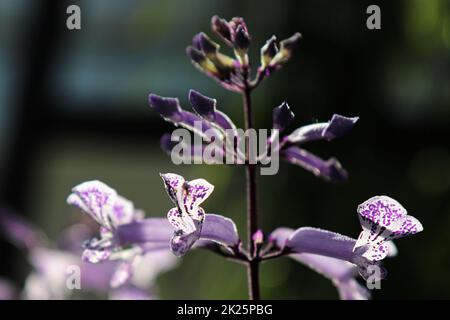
point(73, 107)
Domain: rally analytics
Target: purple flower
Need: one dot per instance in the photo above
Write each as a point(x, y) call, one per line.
point(338, 126)
point(382, 218)
point(112, 211)
point(341, 273)
point(109, 210)
point(188, 218)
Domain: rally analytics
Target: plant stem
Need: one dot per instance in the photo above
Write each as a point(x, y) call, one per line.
point(252, 213)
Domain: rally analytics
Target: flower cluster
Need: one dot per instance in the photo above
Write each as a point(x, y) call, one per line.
point(339, 258)
point(232, 72)
point(218, 131)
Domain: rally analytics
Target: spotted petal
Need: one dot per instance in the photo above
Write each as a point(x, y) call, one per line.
point(96, 199)
point(181, 222)
point(181, 243)
point(97, 250)
point(95, 256)
point(122, 212)
point(174, 184)
point(198, 191)
point(383, 219)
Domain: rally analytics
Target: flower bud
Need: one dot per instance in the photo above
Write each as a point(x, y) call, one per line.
point(209, 47)
point(241, 39)
point(268, 51)
point(222, 28)
point(282, 116)
point(287, 47)
point(202, 62)
point(204, 106)
point(168, 108)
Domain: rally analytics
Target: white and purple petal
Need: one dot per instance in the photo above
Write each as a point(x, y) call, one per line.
point(96, 199)
point(383, 219)
point(174, 184)
point(198, 191)
point(122, 212)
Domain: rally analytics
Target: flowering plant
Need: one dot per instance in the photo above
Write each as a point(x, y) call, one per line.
point(127, 236)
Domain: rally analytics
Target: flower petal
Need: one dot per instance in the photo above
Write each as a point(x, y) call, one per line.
point(168, 108)
point(383, 219)
point(198, 191)
point(337, 127)
point(203, 105)
point(330, 169)
point(122, 212)
point(96, 199)
point(95, 256)
point(322, 242)
point(180, 222)
point(206, 108)
point(174, 184)
point(220, 229)
point(150, 230)
point(181, 243)
point(333, 245)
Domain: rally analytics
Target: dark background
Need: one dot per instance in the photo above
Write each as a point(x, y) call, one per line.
point(73, 107)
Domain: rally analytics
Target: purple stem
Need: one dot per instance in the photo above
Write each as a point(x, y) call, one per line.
point(252, 213)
